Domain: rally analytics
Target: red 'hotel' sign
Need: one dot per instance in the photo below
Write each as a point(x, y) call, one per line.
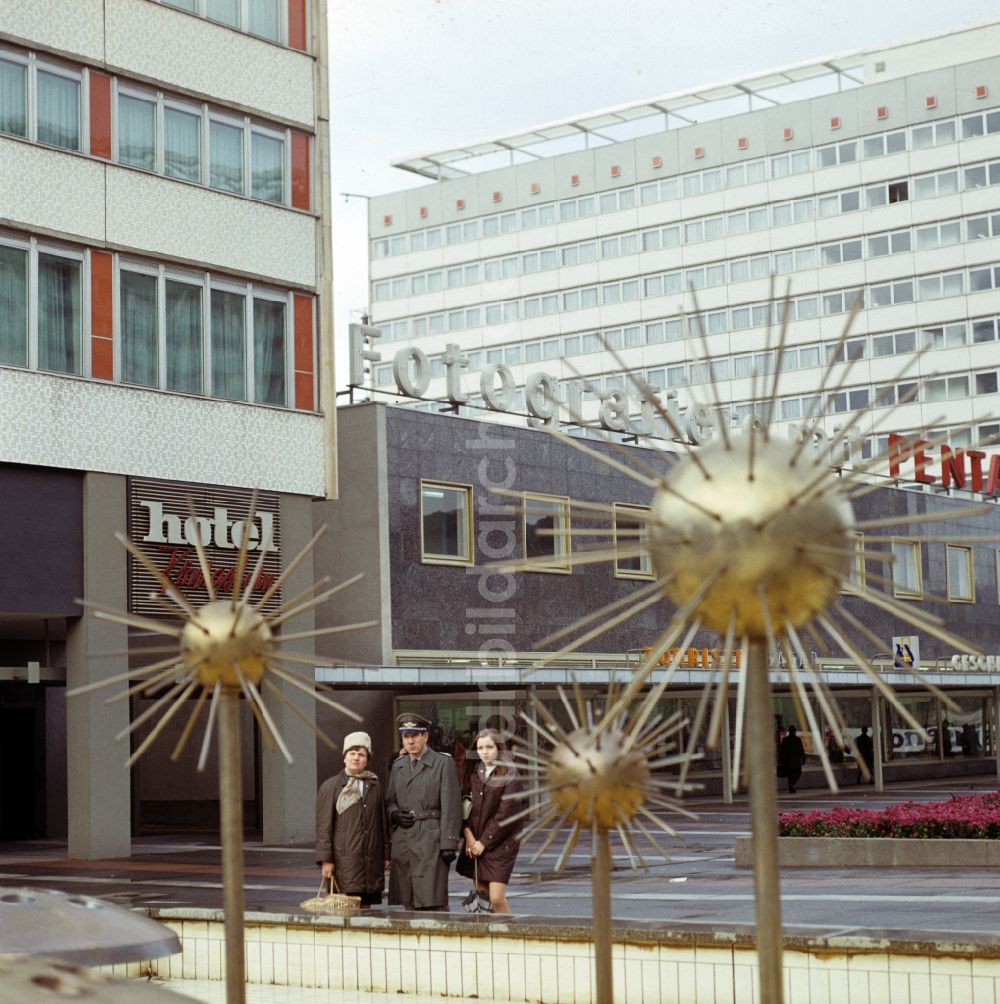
point(958, 468)
point(161, 525)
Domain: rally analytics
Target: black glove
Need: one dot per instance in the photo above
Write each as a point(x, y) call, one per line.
point(401, 817)
point(448, 856)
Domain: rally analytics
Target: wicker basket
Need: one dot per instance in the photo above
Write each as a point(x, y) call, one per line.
point(332, 903)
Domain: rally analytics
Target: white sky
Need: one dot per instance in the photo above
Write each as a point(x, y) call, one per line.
point(414, 76)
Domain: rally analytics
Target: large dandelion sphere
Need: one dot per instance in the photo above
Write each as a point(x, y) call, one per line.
point(596, 780)
point(762, 519)
point(221, 638)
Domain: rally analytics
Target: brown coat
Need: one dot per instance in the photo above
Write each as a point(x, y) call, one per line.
point(488, 822)
point(355, 841)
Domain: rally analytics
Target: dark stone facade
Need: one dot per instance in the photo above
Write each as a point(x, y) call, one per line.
point(437, 607)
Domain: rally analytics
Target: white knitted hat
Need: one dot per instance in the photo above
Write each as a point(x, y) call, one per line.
point(353, 739)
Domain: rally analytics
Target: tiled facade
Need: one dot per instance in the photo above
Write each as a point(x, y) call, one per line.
point(500, 962)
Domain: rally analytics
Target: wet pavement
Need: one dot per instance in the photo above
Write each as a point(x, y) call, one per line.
point(699, 886)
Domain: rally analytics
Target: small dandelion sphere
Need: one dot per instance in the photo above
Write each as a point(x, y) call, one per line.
point(222, 637)
point(764, 520)
point(596, 780)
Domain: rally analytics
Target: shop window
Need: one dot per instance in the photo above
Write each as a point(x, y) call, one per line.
point(445, 523)
point(961, 584)
point(546, 529)
point(906, 578)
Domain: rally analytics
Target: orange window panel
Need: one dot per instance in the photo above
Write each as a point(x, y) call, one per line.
point(298, 33)
point(100, 115)
point(300, 170)
point(101, 317)
point(304, 353)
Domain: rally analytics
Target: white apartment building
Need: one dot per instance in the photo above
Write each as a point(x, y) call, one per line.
point(657, 229)
point(164, 335)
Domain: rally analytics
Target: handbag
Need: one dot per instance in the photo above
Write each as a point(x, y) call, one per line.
point(466, 806)
point(476, 901)
point(332, 904)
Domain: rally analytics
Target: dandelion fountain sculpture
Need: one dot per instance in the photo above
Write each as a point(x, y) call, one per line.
point(226, 649)
point(753, 539)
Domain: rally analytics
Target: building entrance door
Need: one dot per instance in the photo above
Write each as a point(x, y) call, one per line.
point(18, 797)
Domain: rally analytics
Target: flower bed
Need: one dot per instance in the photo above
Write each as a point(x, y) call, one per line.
point(962, 817)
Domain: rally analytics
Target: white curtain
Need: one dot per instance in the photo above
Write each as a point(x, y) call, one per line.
point(267, 160)
point(226, 11)
point(13, 93)
point(181, 145)
point(226, 158)
point(228, 345)
point(58, 111)
point(269, 351)
point(136, 132)
point(184, 337)
point(59, 314)
point(138, 329)
point(13, 306)
point(265, 19)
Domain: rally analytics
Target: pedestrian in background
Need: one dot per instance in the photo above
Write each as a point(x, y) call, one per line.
point(424, 807)
point(351, 835)
point(867, 750)
point(791, 757)
point(491, 843)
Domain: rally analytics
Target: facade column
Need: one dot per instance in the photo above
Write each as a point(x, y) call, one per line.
point(995, 722)
point(288, 792)
point(727, 753)
point(97, 783)
point(877, 739)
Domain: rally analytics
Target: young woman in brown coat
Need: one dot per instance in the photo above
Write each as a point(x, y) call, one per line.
point(491, 844)
point(350, 825)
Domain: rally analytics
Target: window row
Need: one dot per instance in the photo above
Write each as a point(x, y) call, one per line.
point(266, 18)
point(696, 183)
point(732, 224)
point(174, 330)
point(740, 365)
point(734, 318)
point(446, 537)
point(177, 138)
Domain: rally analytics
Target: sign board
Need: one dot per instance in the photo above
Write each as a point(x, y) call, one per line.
point(906, 651)
point(160, 523)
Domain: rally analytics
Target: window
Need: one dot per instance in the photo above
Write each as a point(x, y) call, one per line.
point(228, 341)
point(138, 328)
point(906, 578)
point(265, 18)
point(58, 99)
point(60, 313)
point(854, 581)
point(631, 532)
point(13, 306)
point(546, 532)
point(445, 523)
point(13, 98)
point(181, 143)
point(267, 166)
point(961, 584)
point(226, 156)
point(183, 319)
point(137, 131)
point(269, 340)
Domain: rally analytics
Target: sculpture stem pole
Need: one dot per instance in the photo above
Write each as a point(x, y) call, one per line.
point(600, 886)
point(231, 819)
point(761, 771)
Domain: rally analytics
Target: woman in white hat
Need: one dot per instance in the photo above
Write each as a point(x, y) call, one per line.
point(351, 826)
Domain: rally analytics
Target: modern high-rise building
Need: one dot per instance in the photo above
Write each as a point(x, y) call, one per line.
point(164, 338)
point(671, 231)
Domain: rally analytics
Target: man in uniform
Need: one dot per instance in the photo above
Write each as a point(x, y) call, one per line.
point(424, 807)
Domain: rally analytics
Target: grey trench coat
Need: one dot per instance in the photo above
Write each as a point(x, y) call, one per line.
point(418, 878)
